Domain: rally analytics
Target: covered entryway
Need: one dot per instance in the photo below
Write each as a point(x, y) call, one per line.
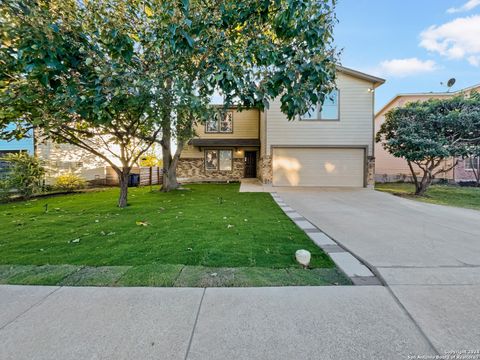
point(310, 166)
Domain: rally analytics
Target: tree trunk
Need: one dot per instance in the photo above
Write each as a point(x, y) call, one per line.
point(476, 173)
point(422, 186)
point(169, 165)
point(123, 181)
point(169, 179)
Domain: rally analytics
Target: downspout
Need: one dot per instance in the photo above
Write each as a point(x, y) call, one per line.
point(373, 131)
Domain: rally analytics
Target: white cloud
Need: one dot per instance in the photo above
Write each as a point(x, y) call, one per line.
point(406, 67)
point(469, 5)
point(456, 39)
point(474, 60)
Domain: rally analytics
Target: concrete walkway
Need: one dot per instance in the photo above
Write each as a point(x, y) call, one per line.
point(428, 255)
point(254, 185)
point(347, 322)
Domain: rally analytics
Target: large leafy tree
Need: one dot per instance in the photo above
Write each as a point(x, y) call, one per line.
point(76, 69)
point(427, 133)
point(250, 51)
point(70, 73)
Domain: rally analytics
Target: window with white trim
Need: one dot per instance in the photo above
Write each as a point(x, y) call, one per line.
point(329, 110)
point(218, 160)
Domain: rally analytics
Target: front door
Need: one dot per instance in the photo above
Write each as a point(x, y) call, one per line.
point(250, 164)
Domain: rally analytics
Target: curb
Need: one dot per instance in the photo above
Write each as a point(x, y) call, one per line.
point(353, 267)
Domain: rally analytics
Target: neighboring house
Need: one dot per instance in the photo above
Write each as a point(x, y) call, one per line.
point(333, 145)
point(24, 145)
point(60, 159)
point(389, 168)
point(15, 146)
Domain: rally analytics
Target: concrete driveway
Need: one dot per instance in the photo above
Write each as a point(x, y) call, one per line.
point(428, 255)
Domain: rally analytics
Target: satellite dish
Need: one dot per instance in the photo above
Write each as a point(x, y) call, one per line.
point(451, 82)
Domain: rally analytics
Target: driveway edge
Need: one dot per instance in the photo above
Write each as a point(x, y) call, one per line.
point(355, 268)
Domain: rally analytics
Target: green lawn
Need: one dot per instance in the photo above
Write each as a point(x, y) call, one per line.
point(209, 234)
point(466, 197)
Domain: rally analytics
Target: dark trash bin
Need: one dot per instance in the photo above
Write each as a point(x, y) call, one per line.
point(133, 180)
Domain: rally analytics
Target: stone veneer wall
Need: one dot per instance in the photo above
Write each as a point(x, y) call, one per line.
point(194, 170)
point(265, 169)
point(370, 171)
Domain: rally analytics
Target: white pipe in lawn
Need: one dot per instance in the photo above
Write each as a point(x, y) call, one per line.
point(303, 257)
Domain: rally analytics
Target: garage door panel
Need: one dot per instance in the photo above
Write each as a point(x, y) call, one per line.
point(318, 167)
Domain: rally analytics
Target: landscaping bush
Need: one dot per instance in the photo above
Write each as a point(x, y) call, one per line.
point(470, 183)
point(24, 176)
point(69, 182)
point(4, 190)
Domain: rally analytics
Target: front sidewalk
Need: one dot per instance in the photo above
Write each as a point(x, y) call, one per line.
point(347, 322)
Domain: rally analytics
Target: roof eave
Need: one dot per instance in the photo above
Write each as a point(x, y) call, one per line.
point(377, 81)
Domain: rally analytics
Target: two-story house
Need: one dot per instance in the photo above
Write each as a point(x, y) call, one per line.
point(331, 145)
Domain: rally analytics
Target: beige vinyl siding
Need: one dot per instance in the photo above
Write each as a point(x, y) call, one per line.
point(355, 126)
point(191, 152)
point(263, 135)
point(195, 152)
point(245, 126)
point(330, 167)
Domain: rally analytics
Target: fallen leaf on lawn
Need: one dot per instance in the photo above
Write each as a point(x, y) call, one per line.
point(245, 219)
point(189, 249)
point(224, 218)
point(110, 233)
point(75, 241)
point(214, 274)
point(97, 220)
point(229, 226)
point(102, 232)
point(142, 223)
point(42, 250)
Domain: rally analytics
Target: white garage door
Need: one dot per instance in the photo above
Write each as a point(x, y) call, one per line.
point(318, 167)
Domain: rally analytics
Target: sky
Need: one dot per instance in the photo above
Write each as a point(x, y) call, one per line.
point(413, 44)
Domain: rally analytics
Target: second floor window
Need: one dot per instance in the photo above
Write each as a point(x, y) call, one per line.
point(222, 122)
point(326, 111)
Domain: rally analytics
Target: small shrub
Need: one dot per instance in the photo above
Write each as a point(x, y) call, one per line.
point(4, 190)
point(69, 182)
point(25, 174)
point(470, 183)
